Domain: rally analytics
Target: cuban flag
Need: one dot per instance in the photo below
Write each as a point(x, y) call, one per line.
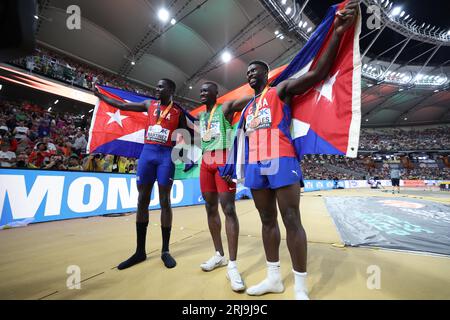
point(327, 118)
point(117, 132)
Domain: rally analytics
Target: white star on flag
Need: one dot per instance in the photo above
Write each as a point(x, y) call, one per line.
point(116, 117)
point(326, 90)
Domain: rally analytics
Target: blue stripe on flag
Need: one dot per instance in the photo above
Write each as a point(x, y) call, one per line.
point(311, 48)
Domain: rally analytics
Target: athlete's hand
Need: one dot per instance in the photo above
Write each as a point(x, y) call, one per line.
point(228, 179)
point(346, 17)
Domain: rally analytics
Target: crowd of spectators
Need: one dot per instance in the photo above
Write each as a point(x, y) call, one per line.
point(34, 138)
point(396, 139)
point(63, 68)
point(37, 139)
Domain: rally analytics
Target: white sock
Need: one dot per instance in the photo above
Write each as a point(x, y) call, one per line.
point(300, 287)
point(273, 271)
point(232, 264)
point(272, 283)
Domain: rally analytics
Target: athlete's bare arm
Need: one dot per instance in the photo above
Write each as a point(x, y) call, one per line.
point(182, 123)
point(126, 106)
point(344, 19)
point(232, 106)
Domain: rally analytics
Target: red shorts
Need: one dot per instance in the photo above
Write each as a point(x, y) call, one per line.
point(210, 179)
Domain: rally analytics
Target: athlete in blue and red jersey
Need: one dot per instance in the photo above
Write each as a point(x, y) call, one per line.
point(273, 172)
point(155, 164)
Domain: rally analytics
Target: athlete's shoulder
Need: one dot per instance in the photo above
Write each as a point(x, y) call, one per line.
point(177, 109)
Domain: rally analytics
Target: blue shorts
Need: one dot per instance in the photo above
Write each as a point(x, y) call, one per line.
point(273, 174)
point(155, 163)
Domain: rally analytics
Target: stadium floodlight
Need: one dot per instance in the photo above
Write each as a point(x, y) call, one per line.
point(226, 56)
point(300, 24)
point(56, 101)
point(283, 2)
point(402, 14)
point(396, 11)
point(163, 15)
point(276, 32)
point(305, 24)
point(133, 63)
point(90, 111)
point(448, 32)
point(190, 87)
point(281, 37)
point(36, 17)
point(405, 18)
point(288, 10)
point(1, 86)
point(173, 21)
point(309, 29)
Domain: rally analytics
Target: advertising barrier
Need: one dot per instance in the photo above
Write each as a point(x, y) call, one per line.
point(38, 195)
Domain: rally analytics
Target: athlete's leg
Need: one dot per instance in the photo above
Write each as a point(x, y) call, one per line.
point(231, 222)
point(288, 202)
point(209, 193)
point(146, 177)
point(214, 222)
point(227, 200)
point(265, 202)
point(165, 175)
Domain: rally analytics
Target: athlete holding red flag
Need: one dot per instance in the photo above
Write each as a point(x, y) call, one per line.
point(272, 170)
point(154, 164)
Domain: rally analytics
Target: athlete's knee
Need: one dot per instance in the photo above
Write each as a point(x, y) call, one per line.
point(268, 219)
point(143, 197)
point(291, 218)
point(211, 208)
point(164, 201)
point(229, 209)
point(142, 216)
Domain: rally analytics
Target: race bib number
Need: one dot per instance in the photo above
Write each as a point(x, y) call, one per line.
point(263, 121)
point(214, 129)
point(158, 136)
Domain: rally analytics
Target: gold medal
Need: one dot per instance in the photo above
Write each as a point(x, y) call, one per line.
point(255, 123)
point(157, 127)
point(207, 136)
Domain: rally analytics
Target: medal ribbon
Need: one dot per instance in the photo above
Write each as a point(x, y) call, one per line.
point(166, 111)
point(208, 124)
point(259, 104)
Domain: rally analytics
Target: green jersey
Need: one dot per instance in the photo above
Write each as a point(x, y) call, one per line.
point(220, 131)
